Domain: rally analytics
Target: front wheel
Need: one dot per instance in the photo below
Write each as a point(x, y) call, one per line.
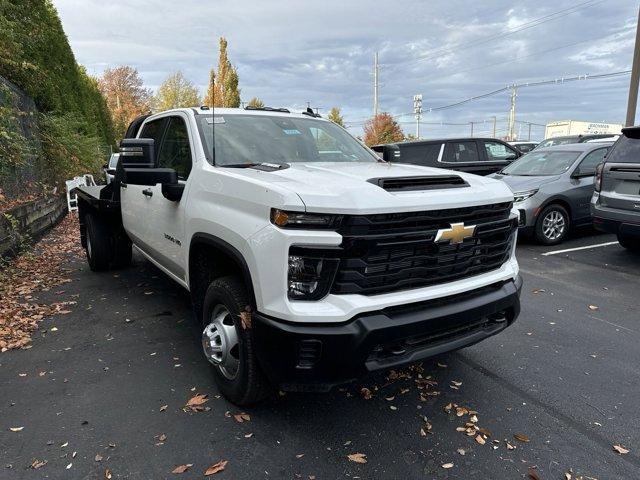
point(630, 243)
point(552, 226)
point(228, 342)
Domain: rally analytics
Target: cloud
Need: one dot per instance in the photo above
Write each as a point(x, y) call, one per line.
point(289, 52)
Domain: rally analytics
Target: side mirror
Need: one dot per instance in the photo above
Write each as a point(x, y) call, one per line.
point(578, 174)
point(137, 153)
point(173, 192)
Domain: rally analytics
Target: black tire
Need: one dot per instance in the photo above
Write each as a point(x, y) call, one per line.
point(98, 248)
point(630, 243)
point(249, 385)
point(122, 251)
point(551, 236)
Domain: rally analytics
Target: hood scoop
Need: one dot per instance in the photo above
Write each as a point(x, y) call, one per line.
point(407, 184)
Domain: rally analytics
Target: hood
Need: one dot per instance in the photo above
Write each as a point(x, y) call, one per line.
point(521, 183)
point(341, 187)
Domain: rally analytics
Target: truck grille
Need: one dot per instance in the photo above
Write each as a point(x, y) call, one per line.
point(389, 252)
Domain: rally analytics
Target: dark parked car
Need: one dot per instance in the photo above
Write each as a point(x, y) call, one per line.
point(481, 156)
point(553, 141)
point(615, 205)
point(552, 188)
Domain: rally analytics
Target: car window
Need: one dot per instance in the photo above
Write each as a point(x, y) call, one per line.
point(154, 130)
point(419, 154)
point(113, 161)
point(589, 163)
point(461, 152)
point(625, 150)
point(499, 152)
point(542, 163)
point(175, 151)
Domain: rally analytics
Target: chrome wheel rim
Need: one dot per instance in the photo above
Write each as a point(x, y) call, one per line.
point(553, 225)
point(220, 342)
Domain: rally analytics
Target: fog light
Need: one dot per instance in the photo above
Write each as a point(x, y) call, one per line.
point(310, 278)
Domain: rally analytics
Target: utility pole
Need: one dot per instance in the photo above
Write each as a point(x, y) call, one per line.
point(472, 128)
point(529, 136)
point(417, 110)
point(376, 70)
point(494, 126)
point(635, 79)
point(512, 114)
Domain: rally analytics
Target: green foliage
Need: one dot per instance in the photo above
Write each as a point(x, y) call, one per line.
point(14, 146)
point(176, 92)
point(35, 55)
point(335, 117)
point(68, 150)
point(255, 102)
point(223, 88)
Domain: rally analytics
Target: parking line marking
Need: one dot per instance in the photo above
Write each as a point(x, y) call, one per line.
point(556, 252)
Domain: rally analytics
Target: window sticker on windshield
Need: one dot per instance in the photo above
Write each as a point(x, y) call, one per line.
point(215, 120)
point(292, 132)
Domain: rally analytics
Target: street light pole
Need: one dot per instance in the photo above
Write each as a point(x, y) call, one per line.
point(635, 79)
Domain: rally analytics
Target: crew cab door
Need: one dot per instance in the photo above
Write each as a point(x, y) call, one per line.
point(582, 184)
point(497, 155)
point(135, 199)
point(464, 156)
point(166, 217)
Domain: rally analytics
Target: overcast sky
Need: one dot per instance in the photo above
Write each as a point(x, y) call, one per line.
point(289, 52)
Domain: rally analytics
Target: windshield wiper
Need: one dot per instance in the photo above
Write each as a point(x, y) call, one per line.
point(262, 165)
point(240, 165)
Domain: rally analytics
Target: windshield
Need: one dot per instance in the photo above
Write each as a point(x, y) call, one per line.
point(247, 139)
point(552, 142)
point(542, 163)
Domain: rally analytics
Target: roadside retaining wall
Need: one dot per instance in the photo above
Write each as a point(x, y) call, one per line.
point(28, 222)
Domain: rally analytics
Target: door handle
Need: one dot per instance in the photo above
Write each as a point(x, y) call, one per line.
point(147, 192)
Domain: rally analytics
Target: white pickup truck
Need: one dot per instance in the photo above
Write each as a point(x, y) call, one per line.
point(310, 261)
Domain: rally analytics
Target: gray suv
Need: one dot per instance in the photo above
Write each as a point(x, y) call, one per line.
point(552, 188)
point(615, 205)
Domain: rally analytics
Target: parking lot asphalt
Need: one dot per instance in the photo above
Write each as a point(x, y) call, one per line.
point(564, 377)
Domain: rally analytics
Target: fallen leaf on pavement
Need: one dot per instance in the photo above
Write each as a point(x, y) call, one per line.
point(533, 474)
point(218, 467)
point(242, 417)
point(182, 468)
point(107, 474)
point(162, 437)
point(462, 451)
point(366, 393)
point(248, 435)
point(16, 429)
point(509, 446)
point(620, 449)
point(163, 408)
point(38, 463)
point(98, 457)
point(300, 455)
point(357, 457)
point(195, 403)
point(594, 307)
point(521, 437)
point(447, 465)
point(480, 440)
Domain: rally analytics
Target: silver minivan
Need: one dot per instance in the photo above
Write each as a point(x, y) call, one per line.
point(615, 205)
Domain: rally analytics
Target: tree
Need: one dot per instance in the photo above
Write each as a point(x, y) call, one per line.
point(223, 86)
point(382, 129)
point(335, 117)
point(255, 102)
point(176, 92)
point(126, 96)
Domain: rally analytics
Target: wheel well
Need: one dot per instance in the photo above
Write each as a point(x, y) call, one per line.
point(563, 203)
point(211, 258)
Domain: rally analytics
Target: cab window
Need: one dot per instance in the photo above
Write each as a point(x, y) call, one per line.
point(461, 152)
point(499, 152)
point(154, 130)
point(175, 152)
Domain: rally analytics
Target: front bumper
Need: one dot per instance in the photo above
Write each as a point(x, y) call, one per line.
point(318, 357)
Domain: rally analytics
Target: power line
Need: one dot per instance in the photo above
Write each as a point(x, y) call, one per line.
point(507, 32)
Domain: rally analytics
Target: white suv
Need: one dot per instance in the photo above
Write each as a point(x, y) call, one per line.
point(309, 260)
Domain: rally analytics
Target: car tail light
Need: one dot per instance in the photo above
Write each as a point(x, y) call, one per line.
point(598, 181)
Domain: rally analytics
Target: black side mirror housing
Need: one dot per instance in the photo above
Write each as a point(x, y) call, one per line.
point(173, 192)
point(137, 153)
point(150, 176)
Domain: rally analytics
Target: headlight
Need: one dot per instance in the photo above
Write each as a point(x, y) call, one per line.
point(284, 219)
point(309, 277)
point(522, 196)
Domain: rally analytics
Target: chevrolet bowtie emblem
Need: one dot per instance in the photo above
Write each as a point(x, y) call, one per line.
point(456, 234)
